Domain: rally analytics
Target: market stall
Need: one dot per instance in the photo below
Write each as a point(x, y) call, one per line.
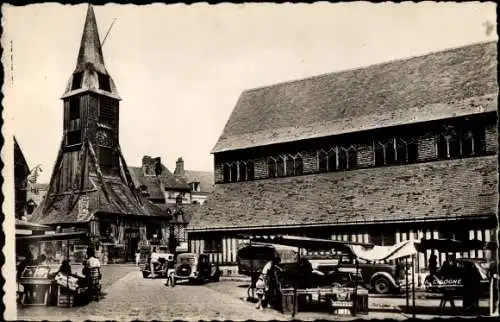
point(41, 284)
point(458, 283)
point(295, 291)
point(450, 286)
point(252, 258)
point(28, 228)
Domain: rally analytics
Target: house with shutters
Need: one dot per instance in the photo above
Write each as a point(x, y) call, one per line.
point(91, 188)
point(384, 153)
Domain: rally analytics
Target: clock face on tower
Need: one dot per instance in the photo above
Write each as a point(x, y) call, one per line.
point(104, 138)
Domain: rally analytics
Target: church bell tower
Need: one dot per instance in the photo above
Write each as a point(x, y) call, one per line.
point(90, 175)
point(91, 102)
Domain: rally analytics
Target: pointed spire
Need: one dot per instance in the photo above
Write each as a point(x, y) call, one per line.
point(90, 60)
point(90, 46)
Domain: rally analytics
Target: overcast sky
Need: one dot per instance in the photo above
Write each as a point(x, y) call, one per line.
point(180, 69)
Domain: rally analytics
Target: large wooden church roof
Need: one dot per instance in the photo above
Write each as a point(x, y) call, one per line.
point(439, 85)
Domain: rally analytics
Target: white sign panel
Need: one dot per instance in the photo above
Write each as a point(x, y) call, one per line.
point(83, 207)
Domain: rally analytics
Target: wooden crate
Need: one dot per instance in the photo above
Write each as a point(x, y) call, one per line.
point(65, 297)
point(288, 301)
point(361, 303)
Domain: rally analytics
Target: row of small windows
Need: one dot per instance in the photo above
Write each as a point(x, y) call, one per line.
point(238, 171)
point(337, 158)
point(455, 143)
point(285, 165)
point(451, 143)
point(395, 151)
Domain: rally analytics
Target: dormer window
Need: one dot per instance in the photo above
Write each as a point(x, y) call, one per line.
point(77, 81)
point(104, 82)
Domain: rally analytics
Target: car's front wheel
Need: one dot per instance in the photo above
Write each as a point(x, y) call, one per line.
point(381, 285)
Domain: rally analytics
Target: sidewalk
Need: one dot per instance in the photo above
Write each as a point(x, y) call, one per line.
point(383, 307)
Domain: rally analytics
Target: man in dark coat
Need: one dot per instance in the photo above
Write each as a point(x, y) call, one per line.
point(433, 263)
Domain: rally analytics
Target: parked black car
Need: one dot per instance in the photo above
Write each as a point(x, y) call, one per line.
point(195, 268)
point(381, 278)
point(454, 278)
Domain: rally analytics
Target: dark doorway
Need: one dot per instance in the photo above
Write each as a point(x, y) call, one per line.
point(132, 245)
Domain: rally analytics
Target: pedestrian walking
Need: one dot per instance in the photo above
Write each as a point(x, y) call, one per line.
point(137, 257)
point(433, 263)
point(170, 273)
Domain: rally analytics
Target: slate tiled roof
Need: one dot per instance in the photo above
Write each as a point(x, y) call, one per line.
point(439, 85)
point(167, 178)
point(465, 187)
point(205, 178)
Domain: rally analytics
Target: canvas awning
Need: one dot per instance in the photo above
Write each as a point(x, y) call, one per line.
point(378, 253)
point(56, 236)
point(307, 242)
point(26, 225)
point(411, 247)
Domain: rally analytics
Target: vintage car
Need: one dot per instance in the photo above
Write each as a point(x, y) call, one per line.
point(452, 279)
point(195, 268)
point(381, 278)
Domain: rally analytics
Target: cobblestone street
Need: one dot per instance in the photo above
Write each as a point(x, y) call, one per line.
point(133, 297)
point(128, 296)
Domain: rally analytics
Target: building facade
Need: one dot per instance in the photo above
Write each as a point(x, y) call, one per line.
point(394, 151)
point(169, 191)
point(201, 183)
point(91, 188)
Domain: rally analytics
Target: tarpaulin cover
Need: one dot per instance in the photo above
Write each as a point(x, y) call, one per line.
point(379, 253)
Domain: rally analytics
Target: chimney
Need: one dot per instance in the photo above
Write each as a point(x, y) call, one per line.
point(146, 160)
point(179, 167)
point(151, 166)
point(157, 164)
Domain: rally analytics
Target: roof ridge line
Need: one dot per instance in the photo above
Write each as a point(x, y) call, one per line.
point(362, 67)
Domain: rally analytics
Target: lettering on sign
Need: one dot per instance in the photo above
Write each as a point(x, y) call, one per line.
point(83, 208)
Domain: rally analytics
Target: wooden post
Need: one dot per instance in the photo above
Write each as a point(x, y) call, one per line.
point(407, 286)
point(294, 302)
point(413, 283)
point(355, 299)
